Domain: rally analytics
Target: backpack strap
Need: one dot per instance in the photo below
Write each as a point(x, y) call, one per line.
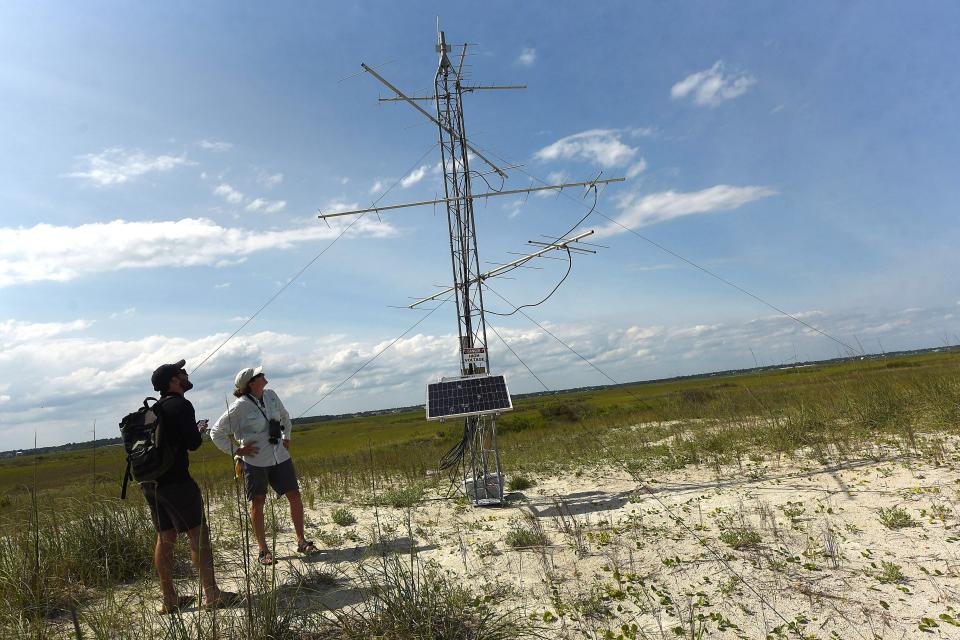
point(126, 480)
point(157, 408)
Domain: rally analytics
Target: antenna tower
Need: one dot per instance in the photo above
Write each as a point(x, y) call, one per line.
point(475, 394)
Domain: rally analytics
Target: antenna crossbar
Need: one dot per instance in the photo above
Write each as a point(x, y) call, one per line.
point(510, 266)
point(488, 194)
point(431, 118)
point(408, 99)
point(465, 88)
point(551, 246)
point(490, 86)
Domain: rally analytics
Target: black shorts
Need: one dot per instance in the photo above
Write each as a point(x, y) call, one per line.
point(281, 477)
point(174, 506)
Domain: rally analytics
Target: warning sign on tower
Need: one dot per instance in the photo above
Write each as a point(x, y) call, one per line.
point(474, 355)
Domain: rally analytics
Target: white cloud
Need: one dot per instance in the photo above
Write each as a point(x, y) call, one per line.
point(269, 180)
point(641, 132)
point(63, 379)
point(266, 206)
point(222, 285)
point(557, 177)
point(637, 168)
point(712, 86)
point(228, 193)
point(640, 211)
point(414, 176)
point(655, 267)
point(527, 57)
point(123, 314)
point(60, 253)
point(513, 208)
point(17, 331)
point(554, 177)
point(214, 145)
point(339, 206)
point(603, 146)
point(116, 166)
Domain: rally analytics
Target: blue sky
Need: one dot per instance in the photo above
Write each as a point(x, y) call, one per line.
point(161, 167)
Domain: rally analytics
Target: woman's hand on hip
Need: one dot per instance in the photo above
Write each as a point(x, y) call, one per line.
point(249, 449)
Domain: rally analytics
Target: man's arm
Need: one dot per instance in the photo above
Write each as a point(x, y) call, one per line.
point(226, 425)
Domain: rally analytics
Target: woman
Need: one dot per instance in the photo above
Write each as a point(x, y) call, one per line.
point(260, 423)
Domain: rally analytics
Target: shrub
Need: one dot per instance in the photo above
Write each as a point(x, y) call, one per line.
point(890, 572)
point(741, 538)
point(330, 539)
point(896, 518)
point(519, 482)
point(343, 517)
point(401, 497)
point(564, 411)
point(420, 602)
point(520, 422)
point(697, 396)
point(520, 537)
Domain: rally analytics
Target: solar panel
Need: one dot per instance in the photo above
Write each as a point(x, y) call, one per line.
point(472, 395)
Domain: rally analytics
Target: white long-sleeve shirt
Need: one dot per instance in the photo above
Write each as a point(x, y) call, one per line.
point(244, 421)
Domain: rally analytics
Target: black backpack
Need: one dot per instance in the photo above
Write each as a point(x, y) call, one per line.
point(148, 456)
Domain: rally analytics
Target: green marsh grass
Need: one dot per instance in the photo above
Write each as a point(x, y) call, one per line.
point(67, 536)
point(422, 602)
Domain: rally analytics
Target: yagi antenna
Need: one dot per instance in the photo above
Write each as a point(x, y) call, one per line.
point(515, 264)
point(475, 394)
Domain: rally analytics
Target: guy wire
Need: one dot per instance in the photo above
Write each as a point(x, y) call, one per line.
point(647, 489)
point(377, 355)
point(244, 516)
point(314, 259)
point(507, 345)
point(547, 331)
point(693, 264)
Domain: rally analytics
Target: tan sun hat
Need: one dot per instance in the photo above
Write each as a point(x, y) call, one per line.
point(244, 376)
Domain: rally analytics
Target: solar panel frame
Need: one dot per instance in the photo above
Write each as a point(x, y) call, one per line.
point(448, 399)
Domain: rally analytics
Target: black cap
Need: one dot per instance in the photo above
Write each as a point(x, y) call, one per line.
point(164, 373)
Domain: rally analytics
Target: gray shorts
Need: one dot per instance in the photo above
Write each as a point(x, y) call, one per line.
point(281, 477)
point(176, 506)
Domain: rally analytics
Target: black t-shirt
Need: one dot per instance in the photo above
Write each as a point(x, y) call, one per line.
point(179, 422)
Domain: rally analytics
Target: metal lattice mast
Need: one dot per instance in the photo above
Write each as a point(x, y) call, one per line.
point(477, 450)
point(471, 324)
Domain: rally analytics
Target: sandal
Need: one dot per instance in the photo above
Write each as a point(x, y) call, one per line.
point(224, 599)
point(307, 548)
point(266, 558)
point(182, 603)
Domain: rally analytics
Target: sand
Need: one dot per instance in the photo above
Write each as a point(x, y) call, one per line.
point(794, 548)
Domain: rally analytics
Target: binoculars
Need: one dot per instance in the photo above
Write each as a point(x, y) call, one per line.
point(276, 431)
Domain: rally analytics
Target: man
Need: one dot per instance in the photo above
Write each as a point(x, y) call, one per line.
point(176, 504)
point(260, 423)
